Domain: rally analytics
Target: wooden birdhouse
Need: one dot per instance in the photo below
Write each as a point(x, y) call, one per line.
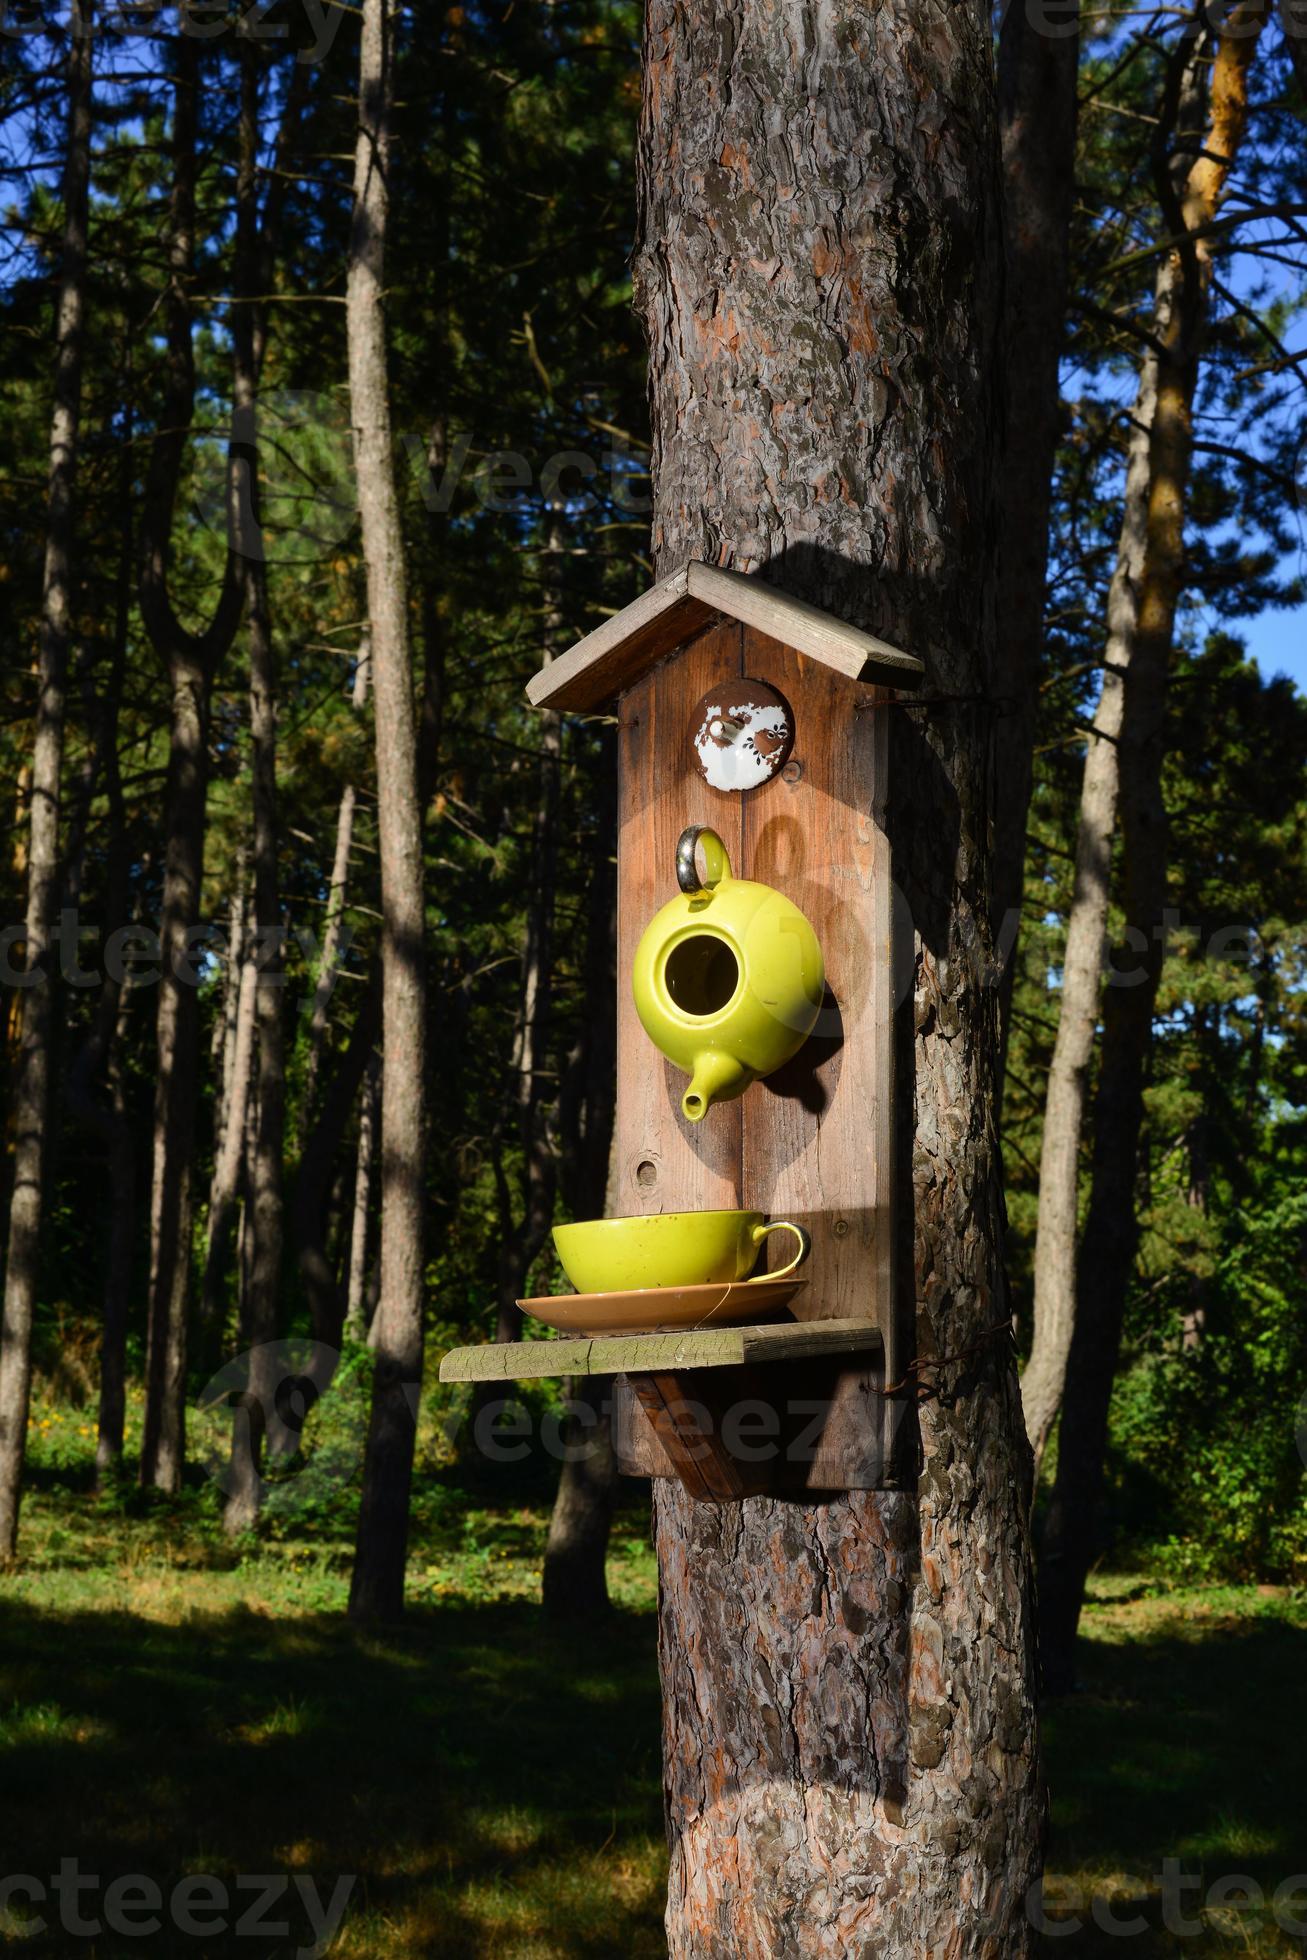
point(754, 716)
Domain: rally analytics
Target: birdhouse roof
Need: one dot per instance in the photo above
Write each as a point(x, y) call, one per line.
point(663, 619)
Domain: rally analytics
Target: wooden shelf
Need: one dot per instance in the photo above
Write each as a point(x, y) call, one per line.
point(624, 1354)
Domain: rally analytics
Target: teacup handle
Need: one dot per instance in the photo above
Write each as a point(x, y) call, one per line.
point(781, 1225)
point(714, 857)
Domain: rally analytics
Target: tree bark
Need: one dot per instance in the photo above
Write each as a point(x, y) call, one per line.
point(1189, 198)
point(1056, 1292)
point(574, 1582)
point(191, 660)
point(30, 1098)
point(377, 1589)
point(106, 1043)
point(120, 1137)
point(224, 1189)
point(1038, 73)
point(327, 1307)
point(226, 1025)
point(1044, 1375)
point(332, 934)
point(355, 1313)
point(851, 1760)
point(523, 1233)
point(264, 1200)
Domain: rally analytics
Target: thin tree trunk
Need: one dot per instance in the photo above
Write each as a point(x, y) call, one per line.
point(1044, 1374)
point(851, 1761)
point(521, 1238)
point(334, 929)
point(102, 1052)
point(1111, 1228)
point(121, 1138)
point(30, 1099)
point(191, 660)
point(264, 1203)
point(327, 1307)
point(225, 1025)
point(377, 1590)
point(1038, 72)
point(355, 1313)
point(224, 1190)
point(108, 1041)
point(333, 932)
point(1055, 1303)
point(574, 1581)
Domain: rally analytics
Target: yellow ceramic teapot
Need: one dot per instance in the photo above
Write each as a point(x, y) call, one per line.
point(728, 978)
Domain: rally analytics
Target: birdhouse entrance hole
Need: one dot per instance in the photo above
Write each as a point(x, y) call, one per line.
point(702, 974)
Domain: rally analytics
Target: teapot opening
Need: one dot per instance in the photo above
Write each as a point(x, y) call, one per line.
point(701, 974)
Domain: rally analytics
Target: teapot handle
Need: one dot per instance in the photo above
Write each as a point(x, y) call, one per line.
point(714, 855)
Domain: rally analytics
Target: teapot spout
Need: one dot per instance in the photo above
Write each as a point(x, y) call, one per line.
point(717, 1077)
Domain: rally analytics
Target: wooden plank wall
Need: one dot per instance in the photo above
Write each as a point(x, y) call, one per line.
point(814, 1141)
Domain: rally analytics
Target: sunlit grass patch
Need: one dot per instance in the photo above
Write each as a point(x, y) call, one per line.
point(495, 1785)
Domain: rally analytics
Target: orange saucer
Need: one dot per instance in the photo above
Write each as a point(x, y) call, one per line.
point(661, 1309)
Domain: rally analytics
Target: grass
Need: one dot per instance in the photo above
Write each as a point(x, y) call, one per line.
point(171, 1706)
point(1185, 1742)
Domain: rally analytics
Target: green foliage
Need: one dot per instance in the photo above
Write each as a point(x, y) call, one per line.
point(1220, 1426)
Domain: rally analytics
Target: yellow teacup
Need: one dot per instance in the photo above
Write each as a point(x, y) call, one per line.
point(670, 1248)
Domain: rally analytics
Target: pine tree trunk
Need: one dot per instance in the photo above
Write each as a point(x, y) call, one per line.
point(176, 1078)
point(1038, 73)
point(121, 1138)
point(523, 1233)
point(327, 1306)
point(851, 1759)
point(225, 1025)
point(105, 1046)
point(574, 1584)
point(1044, 1375)
point(264, 1208)
point(377, 1590)
point(1190, 199)
point(191, 660)
point(332, 935)
point(1056, 1288)
point(30, 1097)
point(355, 1314)
point(224, 1189)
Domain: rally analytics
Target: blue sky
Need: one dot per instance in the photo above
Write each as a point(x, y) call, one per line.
point(1278, 643)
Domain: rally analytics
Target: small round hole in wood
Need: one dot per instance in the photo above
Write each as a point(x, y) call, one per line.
point(646, 1174)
